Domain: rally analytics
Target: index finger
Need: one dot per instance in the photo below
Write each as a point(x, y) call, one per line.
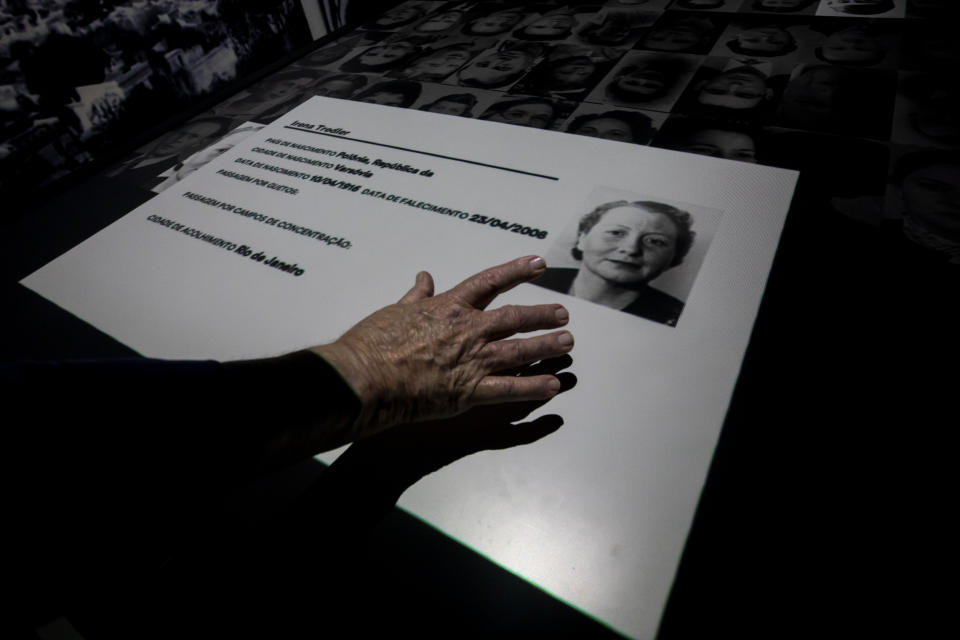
point(479, 290)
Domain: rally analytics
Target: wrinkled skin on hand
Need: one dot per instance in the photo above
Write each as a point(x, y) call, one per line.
point(434, 356)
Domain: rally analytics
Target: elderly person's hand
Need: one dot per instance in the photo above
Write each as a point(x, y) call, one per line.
point(429, 356)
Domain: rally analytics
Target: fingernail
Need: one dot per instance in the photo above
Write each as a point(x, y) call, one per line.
point(562, 315)
point(537, 263)
point(554, 385)
point(565, 339)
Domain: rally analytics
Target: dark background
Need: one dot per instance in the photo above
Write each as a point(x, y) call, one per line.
point(824, 510)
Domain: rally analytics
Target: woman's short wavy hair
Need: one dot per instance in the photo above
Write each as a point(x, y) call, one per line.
point(355, 64)
point(682, 219)
point(408, 89)
point(505, 105)
point(356, 81)
point(466, 99)
point(640, 124)
point(735, 46)
point(521, 33)
point(670, 70)
point(497, 83)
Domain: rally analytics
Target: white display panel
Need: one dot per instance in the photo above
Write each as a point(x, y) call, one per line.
point(269, 248)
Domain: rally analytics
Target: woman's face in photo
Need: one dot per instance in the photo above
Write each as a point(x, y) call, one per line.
point(815, 88)
point(612, 32)
point(288, 88)
point(496, 68)
point(400, 15)
point(766, 39)
point(734, 90)
point(676, 38)
point(440, 22)
point(439, 64)
point(335, 88)
point(608, 129)
point(385, 54)
point(931, 195)
point(851, 45)
point(326, 56)
point(448, 107)
point(717, 143)
point(388, 98)
point(495, 23)
point(549, 26)
point(574, 73)
point(537, 115)
point(642, 82)
point(629, 246)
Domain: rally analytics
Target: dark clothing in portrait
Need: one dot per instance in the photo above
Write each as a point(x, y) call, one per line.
point(652, 304)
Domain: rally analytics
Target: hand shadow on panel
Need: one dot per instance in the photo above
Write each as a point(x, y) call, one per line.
point(341, 557)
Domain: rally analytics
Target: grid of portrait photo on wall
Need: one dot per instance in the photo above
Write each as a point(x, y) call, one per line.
point(798, 84)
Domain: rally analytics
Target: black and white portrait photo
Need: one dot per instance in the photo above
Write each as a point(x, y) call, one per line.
point(332, 54)
point(568, 72)
point(927, 111)
point(620, 125)
point(725, 88)
point(529, 111)
point(553, 26)
point(764, 38)
point(455, 101)
point(442, 22)
point(635, 253)
point(646, 80)
point(863, 8)
point(682, 32)
point(855, 43)
point(403, 15)
point(616, 26)
point(340, 85)
point(494, 19)
point(924, 200)
point(382, 57)
point(499, 68)
point(714, 138)
point(390, 93)
point(452, 104)
point(438, 63)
